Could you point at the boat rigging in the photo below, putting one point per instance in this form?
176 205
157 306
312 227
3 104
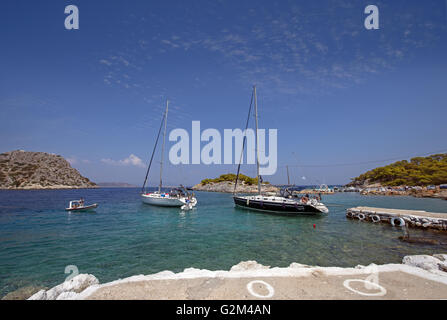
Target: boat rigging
285 201
177 197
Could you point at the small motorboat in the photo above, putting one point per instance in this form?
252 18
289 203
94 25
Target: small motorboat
78 205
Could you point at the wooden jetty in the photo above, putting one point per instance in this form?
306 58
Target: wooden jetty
400 218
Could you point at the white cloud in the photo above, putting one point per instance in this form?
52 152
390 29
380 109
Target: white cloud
124 61
297 50
106 62
172 44
131 160
72 160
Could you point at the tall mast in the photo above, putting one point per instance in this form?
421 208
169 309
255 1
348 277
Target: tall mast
288 178
163 146
257 142
143 189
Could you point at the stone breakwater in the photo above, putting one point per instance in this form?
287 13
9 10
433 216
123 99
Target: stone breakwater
228 187
400 218
418 277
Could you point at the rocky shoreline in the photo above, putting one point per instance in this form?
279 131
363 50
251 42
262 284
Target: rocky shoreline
418 277
417 192
228 187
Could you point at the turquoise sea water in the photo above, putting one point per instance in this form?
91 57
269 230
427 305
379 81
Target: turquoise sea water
38 239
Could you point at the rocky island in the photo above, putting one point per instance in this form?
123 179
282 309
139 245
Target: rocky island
419 177
225 183
39 170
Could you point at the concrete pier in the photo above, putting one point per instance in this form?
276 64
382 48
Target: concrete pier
400 218
418 277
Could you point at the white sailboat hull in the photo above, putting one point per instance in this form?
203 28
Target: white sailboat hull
156 199
176 198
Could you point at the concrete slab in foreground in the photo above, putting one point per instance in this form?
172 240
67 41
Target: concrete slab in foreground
397 285
420 277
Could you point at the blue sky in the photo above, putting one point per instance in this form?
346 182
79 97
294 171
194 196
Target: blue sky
344 99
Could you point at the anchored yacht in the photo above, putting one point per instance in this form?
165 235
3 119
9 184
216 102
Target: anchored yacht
178 197
280 204
285 202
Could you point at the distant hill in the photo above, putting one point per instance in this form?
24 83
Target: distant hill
231 177
419 171
39 170
225 183
115 185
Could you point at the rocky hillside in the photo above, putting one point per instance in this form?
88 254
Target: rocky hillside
419 171
39 170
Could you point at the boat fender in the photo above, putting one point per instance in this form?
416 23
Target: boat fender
248 201
349 214
398 222
361 216
375 218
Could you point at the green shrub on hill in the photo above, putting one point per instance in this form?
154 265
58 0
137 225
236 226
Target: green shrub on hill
230 177
419 171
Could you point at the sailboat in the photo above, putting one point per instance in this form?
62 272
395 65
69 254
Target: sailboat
282 203
177 197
